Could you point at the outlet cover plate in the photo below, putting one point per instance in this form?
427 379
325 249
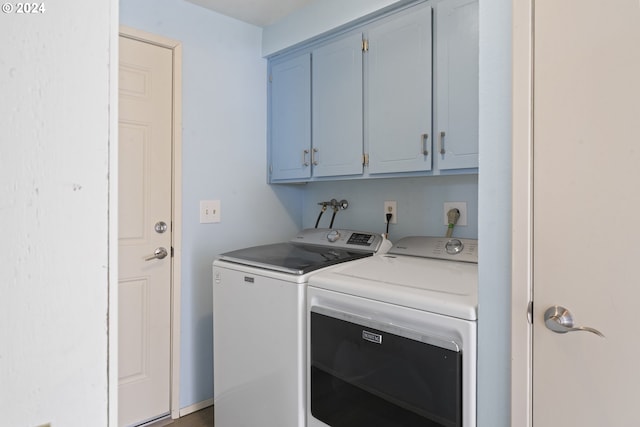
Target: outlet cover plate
462 207
391 207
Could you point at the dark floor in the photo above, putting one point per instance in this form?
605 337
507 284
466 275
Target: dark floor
201 418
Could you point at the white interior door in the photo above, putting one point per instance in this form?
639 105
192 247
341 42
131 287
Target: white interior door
586 202
145 147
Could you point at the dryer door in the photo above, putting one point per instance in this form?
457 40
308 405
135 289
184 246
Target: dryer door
365 373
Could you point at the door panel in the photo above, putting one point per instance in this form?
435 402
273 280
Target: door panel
291 118
586 174
456 89
337 107
144 293
131 306
399 93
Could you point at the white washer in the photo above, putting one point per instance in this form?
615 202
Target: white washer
259 324
392 338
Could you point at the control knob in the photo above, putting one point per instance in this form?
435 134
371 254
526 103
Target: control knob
333 236
454 247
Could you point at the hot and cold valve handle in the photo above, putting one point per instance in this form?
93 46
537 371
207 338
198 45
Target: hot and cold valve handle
560 320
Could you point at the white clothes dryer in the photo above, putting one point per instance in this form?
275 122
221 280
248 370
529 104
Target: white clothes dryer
392 338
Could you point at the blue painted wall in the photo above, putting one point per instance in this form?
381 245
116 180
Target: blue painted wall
420 204
224 157
494 214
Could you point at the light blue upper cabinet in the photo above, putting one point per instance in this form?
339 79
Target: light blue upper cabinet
290 117
337 142
399 93
394 95
456 85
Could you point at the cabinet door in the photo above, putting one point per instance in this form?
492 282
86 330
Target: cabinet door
337 108
399 93
290 118
456 87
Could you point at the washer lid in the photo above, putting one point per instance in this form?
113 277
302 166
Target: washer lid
434 285
293 258
311 249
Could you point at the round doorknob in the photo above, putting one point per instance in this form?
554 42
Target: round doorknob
160 227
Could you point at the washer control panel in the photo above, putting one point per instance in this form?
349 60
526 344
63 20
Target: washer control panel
452 249
361 239
344 239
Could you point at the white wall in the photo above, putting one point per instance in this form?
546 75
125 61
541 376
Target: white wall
54 210
224 157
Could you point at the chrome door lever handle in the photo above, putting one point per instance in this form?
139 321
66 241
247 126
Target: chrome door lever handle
560 320
159 253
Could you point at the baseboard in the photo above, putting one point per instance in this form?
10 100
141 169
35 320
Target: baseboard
195 407
164 421
157 422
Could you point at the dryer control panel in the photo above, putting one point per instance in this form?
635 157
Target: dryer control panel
451 249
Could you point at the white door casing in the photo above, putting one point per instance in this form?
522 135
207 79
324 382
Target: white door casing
580 213
147 196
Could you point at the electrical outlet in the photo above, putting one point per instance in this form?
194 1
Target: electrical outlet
209 211
392 208
461 206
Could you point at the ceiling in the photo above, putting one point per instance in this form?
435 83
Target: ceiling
256 12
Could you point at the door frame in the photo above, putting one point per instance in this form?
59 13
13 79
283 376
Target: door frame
176 203
522 212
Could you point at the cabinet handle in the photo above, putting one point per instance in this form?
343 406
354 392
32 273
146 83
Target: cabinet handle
442 150
314 160
304 158
425 148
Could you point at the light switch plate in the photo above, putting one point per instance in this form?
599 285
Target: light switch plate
209 211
